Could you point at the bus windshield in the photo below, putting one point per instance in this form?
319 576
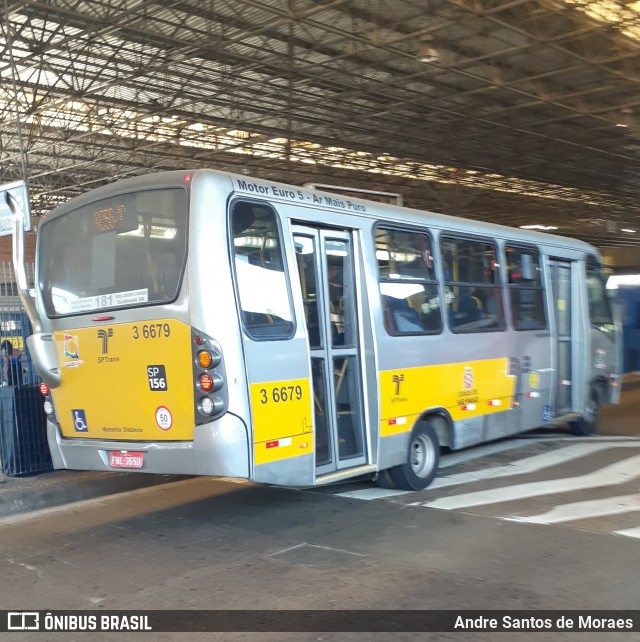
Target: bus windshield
127 250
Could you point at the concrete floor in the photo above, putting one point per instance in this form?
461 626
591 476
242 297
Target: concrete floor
203 543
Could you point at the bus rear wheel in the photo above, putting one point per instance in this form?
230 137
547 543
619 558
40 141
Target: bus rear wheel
423 455
588 424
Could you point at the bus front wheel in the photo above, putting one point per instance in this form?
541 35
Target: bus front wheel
423 455
588 424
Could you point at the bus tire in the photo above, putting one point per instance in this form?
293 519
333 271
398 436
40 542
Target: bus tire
423 455
384 480
588 424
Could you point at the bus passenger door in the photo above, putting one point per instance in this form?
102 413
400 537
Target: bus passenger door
562 300
326 265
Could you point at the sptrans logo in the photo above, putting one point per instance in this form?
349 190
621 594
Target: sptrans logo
104 336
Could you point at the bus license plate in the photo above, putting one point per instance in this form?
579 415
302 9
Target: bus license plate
126 459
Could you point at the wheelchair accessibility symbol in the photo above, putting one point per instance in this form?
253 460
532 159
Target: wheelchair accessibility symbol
79 421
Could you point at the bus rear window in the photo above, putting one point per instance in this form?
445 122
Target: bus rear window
128 250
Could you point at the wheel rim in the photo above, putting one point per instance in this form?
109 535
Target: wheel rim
422 457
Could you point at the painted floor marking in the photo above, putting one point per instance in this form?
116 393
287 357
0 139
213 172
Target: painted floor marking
475 452
523 466
367 494
629 532
618 473
520 467
584 510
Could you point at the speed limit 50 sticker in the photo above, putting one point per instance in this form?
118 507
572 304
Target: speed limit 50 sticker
164 418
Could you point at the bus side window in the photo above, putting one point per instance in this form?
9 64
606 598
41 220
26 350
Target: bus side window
599 304
526 292
473 291
259 270
408 287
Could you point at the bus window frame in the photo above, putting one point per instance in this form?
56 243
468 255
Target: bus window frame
46 296
499 287
437 281
592 259
284 257
509 287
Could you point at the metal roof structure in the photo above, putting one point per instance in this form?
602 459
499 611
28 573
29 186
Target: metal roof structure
521 112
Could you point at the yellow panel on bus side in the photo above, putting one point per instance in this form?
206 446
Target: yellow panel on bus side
282 420
128 381
466 389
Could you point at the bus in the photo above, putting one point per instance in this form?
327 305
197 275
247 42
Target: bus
206 323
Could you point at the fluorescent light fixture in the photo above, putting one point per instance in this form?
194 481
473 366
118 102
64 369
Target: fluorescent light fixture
539 227
428 54
627 230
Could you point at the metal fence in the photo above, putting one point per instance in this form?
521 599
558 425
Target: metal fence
23 440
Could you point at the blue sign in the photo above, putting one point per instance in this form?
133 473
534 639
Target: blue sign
79 421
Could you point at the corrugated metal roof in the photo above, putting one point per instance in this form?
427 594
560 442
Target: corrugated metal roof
513 111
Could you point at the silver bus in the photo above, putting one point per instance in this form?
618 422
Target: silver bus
208 323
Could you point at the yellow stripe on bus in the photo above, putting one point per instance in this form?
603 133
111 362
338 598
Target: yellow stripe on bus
282 419
465 389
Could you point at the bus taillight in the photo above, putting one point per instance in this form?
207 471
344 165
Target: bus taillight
206 406
209 378
206 383
44 389
209 406
205 359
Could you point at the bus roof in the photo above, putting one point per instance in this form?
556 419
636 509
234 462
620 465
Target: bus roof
327 201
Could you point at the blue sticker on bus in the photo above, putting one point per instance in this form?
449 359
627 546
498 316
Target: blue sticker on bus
547 414
79 421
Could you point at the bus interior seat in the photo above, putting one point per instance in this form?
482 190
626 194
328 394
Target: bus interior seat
400 317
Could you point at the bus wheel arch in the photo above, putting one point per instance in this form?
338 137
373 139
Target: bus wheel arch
589 423
422 455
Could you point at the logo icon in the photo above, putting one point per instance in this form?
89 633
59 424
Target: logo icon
467 378
397 379
104 336
79 421
23 621
71 347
